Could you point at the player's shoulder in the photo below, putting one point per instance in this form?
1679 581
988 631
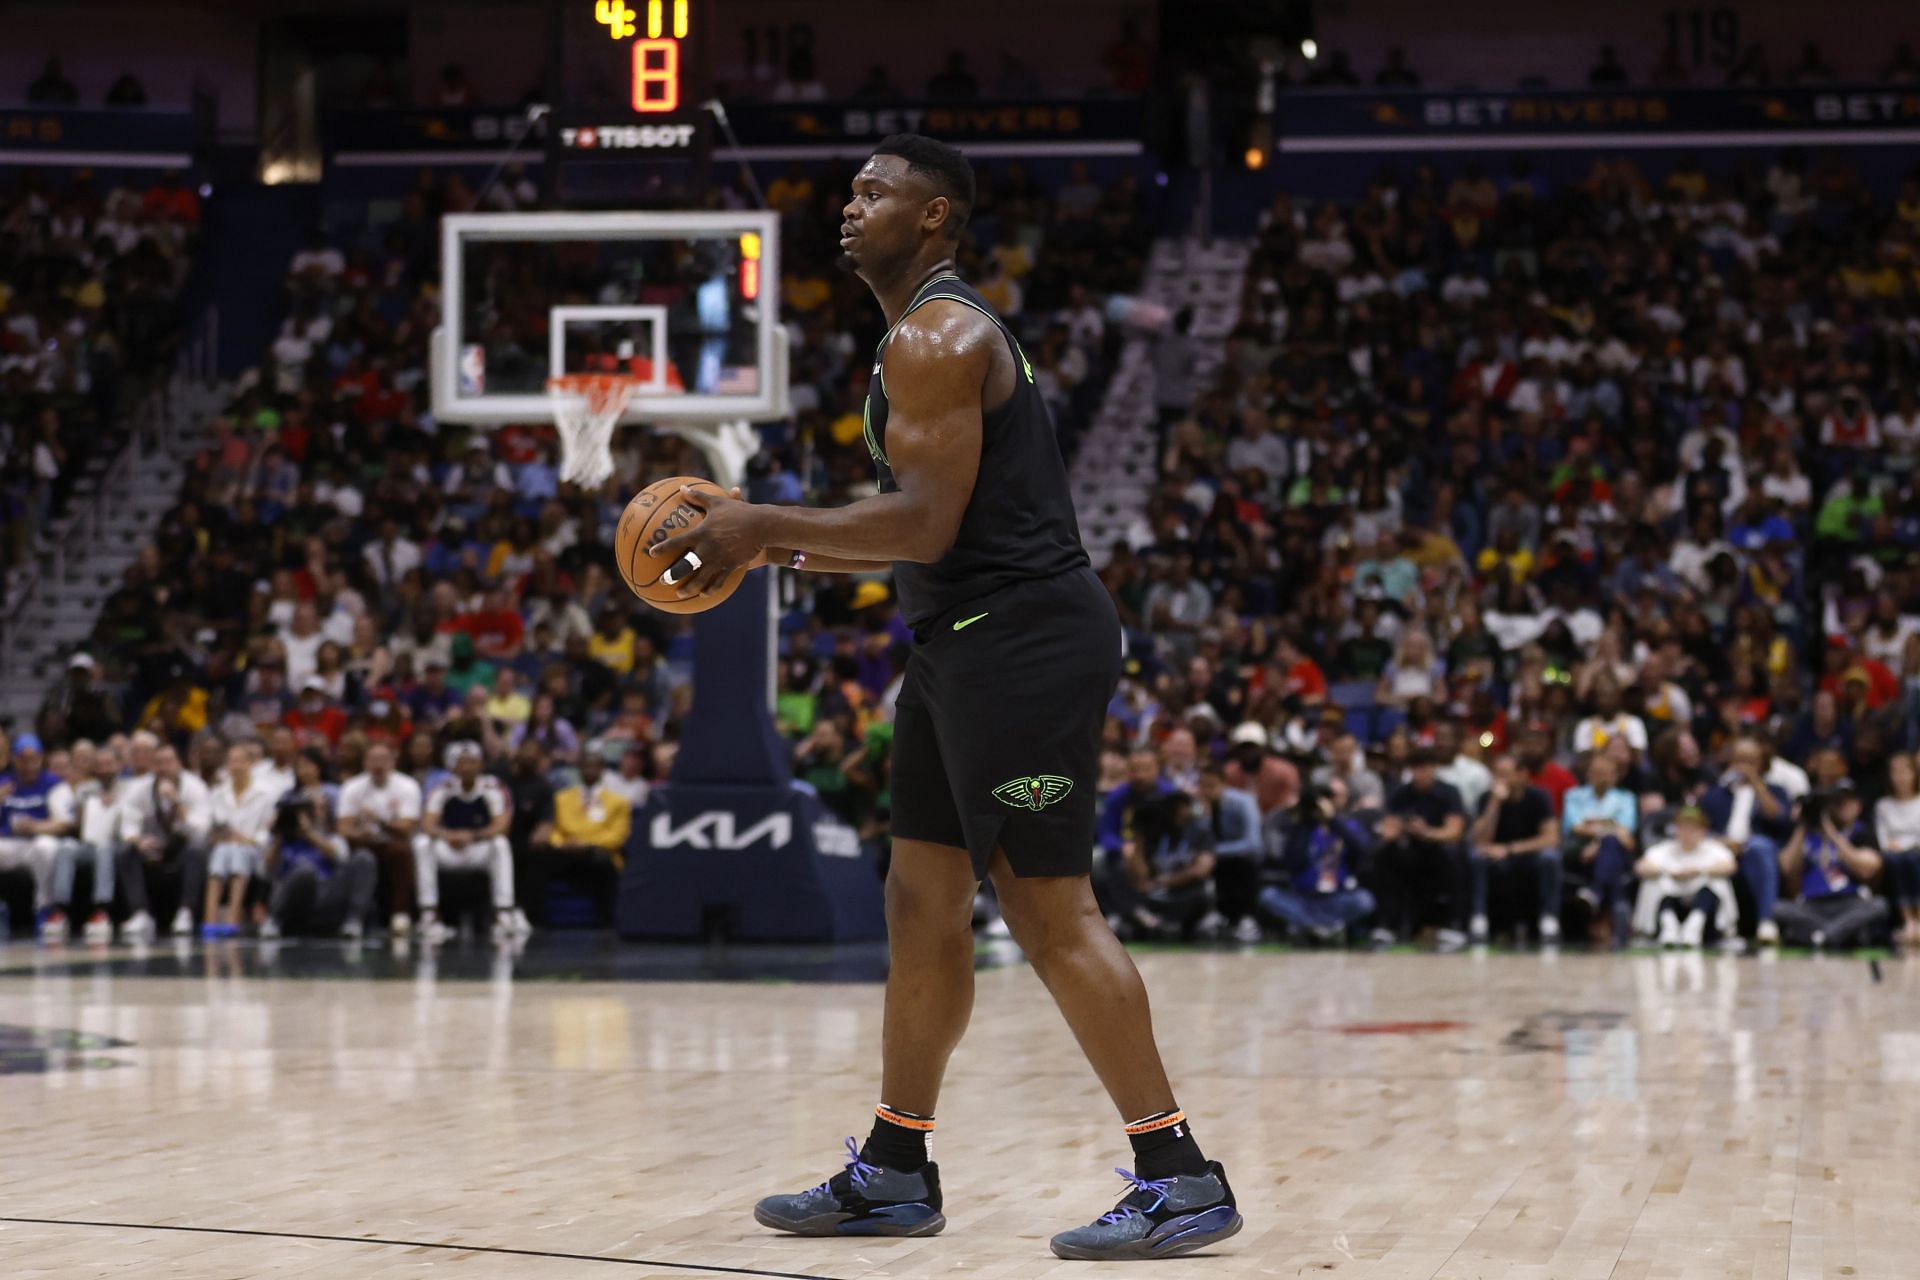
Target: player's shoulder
944 325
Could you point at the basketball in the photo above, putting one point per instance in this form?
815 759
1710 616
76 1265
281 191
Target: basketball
657 513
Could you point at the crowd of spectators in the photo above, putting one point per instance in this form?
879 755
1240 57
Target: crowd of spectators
1750 67
90 276
348 587
1541 558
1524 521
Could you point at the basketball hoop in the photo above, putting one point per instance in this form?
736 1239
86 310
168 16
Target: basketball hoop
586 408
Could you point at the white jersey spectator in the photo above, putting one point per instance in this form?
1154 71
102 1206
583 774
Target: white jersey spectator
465 829
398 801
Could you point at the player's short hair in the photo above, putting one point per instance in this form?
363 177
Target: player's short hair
941 165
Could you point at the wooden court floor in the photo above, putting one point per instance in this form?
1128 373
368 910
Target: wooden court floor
1392 1117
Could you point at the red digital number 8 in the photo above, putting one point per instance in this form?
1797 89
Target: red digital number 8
656 75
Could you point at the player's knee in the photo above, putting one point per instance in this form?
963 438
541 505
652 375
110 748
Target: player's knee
1048 918
914 907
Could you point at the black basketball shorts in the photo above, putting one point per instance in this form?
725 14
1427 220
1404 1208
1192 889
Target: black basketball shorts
997 730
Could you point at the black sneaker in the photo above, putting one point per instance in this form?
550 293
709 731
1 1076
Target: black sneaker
861 1200
1162 1219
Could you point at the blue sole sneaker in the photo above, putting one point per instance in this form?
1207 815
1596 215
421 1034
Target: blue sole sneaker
1158 1219
861 1200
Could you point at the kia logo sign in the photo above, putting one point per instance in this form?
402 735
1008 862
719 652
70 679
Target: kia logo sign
715 830
718 830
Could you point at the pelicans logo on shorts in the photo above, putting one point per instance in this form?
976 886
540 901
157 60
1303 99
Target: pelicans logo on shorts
1036 792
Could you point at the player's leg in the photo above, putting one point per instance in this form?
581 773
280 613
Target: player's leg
1092 978
930 890
1181 1201
889 1186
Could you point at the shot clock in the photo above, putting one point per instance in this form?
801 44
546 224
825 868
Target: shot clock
655 33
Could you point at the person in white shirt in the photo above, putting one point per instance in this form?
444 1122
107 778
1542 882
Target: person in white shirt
1686 884
274 761
380 814
96 835
1461 772
465 829
1896 823
243 812
629 780
1608 721
166 815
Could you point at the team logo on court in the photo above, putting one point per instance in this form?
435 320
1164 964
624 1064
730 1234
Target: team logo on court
1036 792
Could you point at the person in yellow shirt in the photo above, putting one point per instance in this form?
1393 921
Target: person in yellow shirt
508 706
587 846
791 192
612 642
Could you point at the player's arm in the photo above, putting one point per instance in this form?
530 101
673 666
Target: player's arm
940 357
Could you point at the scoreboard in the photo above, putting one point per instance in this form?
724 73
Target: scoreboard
633 80
655 38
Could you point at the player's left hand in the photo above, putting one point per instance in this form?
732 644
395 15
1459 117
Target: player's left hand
727 539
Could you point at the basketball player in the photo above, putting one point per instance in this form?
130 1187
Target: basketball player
996 746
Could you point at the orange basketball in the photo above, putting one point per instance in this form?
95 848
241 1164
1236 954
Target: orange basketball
657 513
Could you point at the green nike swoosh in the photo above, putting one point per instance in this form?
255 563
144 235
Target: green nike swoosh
964 623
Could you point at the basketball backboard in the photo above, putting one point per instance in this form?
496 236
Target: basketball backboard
688 303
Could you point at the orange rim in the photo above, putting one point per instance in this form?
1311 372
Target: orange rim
601 391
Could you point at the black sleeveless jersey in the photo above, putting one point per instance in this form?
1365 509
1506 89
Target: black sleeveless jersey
1019 525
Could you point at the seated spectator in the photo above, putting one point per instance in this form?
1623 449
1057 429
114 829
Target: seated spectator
1233 815
1162 886
1686 885
1608 72
1754 816
166 822
453 89
1121 808
1609 721
877 87
801 83
127 91
1460 766
1396 74
51 88
1902 67
1319 893
243 815
1515 835
321 886
1336 73
465 829
1420 869
1812 67
1896 823
95 779
953 82
36 817
587 845
1600 823
379 815
78 706
1825 868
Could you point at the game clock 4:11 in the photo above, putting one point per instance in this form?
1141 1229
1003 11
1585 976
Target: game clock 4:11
656 30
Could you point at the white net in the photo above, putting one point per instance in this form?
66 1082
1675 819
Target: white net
586 409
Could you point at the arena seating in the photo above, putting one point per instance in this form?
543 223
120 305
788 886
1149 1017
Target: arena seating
1478 477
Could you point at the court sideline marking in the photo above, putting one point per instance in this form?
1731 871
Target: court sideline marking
421 1244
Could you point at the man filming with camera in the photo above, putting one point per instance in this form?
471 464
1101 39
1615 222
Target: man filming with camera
318 886
1829 870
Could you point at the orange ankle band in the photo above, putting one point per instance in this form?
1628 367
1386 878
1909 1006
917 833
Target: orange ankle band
905 1121
1153 1123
